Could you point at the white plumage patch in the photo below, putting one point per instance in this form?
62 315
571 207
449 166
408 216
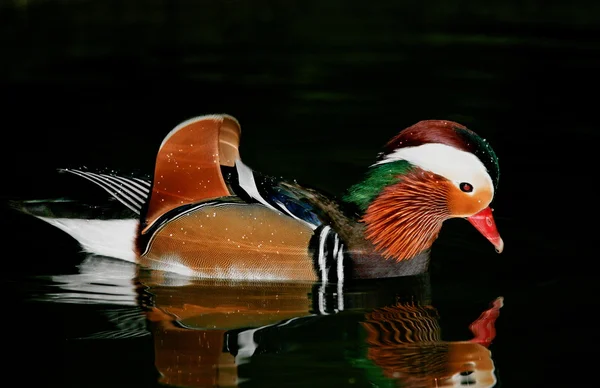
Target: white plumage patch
247 182
112 238
453 164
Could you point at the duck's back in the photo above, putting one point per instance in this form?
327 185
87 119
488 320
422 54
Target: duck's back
209 215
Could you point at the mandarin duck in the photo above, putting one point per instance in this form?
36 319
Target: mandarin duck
206 214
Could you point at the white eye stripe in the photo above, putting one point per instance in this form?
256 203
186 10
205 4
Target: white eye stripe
453 164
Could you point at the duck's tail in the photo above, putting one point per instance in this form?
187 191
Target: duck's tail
188 169
107 227
112 238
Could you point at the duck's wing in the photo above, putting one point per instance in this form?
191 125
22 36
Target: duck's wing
312 206
309 207
196 224
132 192
188 165
276 194
264 228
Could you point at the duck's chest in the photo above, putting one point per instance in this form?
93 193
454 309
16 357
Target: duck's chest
368 264
234 241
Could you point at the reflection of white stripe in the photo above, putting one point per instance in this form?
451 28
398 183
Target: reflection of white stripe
246 346
340 296
340 264
321 300
110 188
292 319
340 276
322 263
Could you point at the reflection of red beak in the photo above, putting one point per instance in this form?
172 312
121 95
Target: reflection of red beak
484 328
484 223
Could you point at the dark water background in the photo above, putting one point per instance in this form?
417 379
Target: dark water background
318 88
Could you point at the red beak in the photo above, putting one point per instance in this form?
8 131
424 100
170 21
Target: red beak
484 223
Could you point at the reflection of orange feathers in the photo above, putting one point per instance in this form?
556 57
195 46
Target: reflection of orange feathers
189 323
205 303
404 340
193 358
402 324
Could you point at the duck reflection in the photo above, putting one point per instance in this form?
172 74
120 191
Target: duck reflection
405 341
222 333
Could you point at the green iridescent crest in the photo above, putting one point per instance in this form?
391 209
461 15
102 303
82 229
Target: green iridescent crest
483 150
378 177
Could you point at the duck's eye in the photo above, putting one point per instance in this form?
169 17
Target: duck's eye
466 187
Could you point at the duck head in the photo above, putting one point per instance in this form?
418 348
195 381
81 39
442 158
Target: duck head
429 172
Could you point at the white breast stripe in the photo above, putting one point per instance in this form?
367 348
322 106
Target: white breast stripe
340 265
322 305
340 278
336 245
110 188
322 261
